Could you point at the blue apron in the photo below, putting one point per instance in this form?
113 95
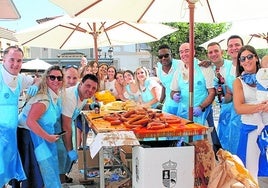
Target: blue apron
226 113
235 122
46 152
76 113
64 161
132 96
10 162
263 160
245 130
169 106
200 94
146 94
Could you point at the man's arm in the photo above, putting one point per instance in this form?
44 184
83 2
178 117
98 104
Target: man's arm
209 77
31 84
174 86
210 98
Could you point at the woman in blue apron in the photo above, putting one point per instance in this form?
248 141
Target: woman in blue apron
40 116
10 162
246 104
149 88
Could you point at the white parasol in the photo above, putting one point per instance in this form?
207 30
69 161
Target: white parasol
77 33
36 64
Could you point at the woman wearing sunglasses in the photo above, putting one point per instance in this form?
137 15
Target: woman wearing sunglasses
246 104
37 126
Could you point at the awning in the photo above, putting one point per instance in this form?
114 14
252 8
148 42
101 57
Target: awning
8 10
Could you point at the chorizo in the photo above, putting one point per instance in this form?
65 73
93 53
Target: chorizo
123 119
116 122
129 113
173 121
156 125
135 118
127 125
142 121
110 118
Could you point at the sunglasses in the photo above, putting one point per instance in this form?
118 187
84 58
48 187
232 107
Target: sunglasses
164 55
52 77
249 57
71 66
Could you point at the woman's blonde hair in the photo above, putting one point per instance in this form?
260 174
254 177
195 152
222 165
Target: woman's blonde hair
146 73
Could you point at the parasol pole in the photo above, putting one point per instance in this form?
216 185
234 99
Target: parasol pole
95 37
191 5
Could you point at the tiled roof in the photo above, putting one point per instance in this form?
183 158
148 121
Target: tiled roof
46 19
7 34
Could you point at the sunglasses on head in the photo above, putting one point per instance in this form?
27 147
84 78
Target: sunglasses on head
52 78
71 66
249 57
164 55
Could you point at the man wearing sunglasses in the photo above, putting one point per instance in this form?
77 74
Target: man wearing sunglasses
165 70
74 100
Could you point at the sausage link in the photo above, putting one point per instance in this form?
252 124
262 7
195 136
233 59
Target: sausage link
127 125
142 121
116 122
135 118
156 125
129 113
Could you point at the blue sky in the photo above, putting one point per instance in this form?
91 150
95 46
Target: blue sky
30 11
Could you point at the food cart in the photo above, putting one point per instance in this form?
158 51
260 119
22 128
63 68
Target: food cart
120 127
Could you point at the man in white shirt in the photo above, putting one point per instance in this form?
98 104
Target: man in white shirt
12 84
74 100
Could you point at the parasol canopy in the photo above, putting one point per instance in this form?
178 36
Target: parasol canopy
36 64
77 33
252 31
206 11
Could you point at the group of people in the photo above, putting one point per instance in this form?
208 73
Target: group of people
33 152
238 85
35 155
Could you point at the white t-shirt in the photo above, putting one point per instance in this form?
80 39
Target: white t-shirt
70 102
154 84
12 81
110 86
207 72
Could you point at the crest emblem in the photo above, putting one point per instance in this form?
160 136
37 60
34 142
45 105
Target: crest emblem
169 174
